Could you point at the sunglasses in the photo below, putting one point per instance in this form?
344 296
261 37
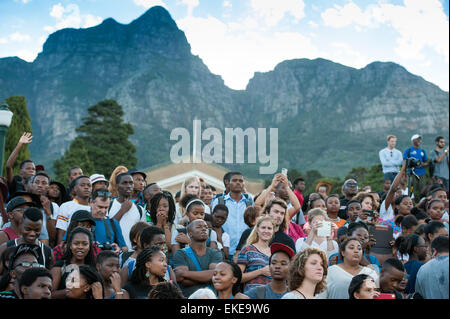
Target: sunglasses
351 184
102 194
28 265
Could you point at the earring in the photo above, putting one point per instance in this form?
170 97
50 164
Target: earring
147 274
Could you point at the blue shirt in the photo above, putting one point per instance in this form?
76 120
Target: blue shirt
412 267
418 153
100 232
270 294
235 224
432 279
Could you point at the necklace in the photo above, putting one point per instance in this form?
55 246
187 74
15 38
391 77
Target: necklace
300 293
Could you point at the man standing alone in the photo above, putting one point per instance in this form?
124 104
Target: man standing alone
439 156
391 158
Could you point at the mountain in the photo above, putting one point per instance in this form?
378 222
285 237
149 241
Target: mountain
330 117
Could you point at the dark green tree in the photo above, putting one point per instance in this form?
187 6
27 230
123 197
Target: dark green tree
374 178
106 137
358 173
20 123
76 155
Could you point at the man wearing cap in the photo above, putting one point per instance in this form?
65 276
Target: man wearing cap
390 158
139 180
98 181
349 189
281 254
82 188
415 151
14 209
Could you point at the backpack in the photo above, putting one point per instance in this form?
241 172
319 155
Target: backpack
138 207
261 292
221 199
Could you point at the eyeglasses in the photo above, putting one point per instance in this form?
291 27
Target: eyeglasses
28 265
391 153
351 184
101 194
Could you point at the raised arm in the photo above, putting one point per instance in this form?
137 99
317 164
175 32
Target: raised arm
395 184
26 138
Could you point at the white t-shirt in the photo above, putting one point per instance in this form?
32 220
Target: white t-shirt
55 210
386 214
65 213
338 281
301 245
128 219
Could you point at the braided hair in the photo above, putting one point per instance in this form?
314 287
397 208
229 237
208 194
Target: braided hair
139 273
154 202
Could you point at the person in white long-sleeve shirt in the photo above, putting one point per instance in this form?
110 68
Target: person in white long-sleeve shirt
391 158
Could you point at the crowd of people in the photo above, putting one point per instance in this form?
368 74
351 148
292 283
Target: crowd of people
124 237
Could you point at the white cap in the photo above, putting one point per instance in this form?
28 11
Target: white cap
98 178
415 136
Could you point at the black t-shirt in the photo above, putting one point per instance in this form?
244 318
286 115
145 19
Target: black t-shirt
244 238
343 210
137 291
16 185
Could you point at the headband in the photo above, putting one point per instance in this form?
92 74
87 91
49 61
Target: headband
194 201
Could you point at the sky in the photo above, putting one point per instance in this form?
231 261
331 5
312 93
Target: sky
236 38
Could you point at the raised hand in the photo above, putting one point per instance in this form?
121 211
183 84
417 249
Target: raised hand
26 138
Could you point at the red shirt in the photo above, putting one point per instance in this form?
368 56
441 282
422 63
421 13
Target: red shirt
299 196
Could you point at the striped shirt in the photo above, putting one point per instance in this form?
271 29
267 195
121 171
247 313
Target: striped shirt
253 259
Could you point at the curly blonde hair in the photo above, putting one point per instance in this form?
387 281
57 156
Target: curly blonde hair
112 188
297 269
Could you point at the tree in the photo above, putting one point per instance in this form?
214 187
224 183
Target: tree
76 155
21 122
106 137
357 173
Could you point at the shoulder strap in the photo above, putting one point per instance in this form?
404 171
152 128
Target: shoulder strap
113 226
110 205
125 257
221 200
131 268
140 211
107 230
190 254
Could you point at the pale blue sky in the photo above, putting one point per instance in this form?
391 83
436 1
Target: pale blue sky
236 38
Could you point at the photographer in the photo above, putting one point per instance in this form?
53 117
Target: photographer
419 181
107 233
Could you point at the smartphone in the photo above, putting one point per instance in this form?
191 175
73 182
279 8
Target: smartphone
385 296
370 213
324 230
284 171
383 236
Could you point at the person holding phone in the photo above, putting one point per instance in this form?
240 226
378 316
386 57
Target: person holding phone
320 235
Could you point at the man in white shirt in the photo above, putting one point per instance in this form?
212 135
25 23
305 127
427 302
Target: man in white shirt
391 158
123 209
82 191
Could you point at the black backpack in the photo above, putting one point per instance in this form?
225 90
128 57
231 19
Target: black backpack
221 199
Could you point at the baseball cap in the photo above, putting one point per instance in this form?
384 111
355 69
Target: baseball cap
415 136
61 187
35 198
82 216
16 202
283 246
135 171
98 178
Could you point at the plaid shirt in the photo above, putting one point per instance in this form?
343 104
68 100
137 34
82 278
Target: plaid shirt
58 251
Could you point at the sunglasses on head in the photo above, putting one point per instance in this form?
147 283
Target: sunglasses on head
102 194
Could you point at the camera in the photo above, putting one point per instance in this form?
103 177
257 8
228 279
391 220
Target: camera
413 162
105 246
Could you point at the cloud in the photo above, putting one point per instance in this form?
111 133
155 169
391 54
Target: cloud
274 11
191 4
150 3
15 37
236 50
420 24
227 4
70 17
339 17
